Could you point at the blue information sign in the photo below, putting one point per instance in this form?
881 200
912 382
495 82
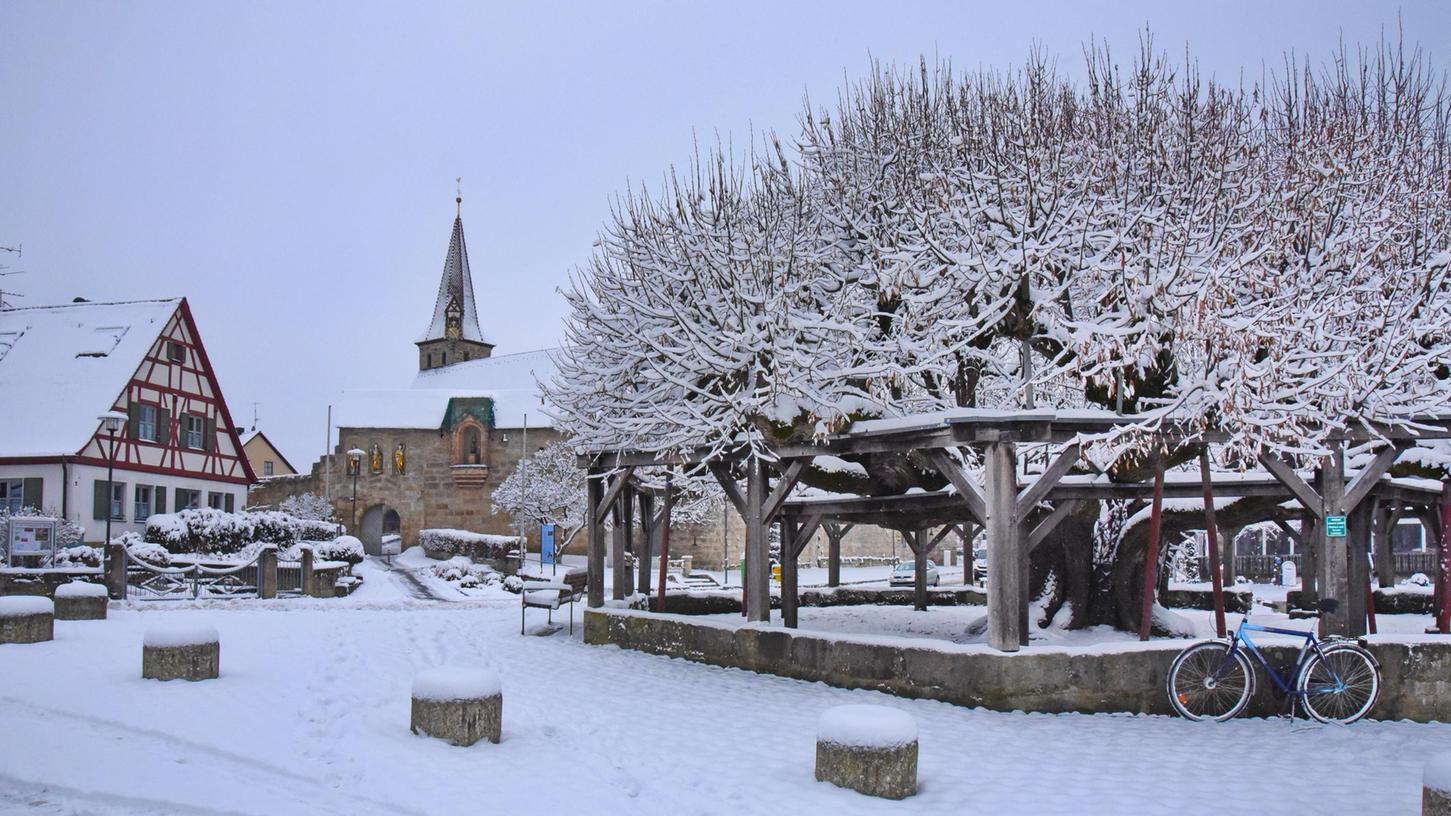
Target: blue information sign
546 543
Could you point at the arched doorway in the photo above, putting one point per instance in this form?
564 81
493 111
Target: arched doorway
378 521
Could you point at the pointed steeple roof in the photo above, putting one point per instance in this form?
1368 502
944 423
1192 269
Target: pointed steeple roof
457 285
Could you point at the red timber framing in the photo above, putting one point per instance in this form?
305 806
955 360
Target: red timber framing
176 388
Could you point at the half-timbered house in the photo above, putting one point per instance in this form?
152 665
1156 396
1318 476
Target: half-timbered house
62 366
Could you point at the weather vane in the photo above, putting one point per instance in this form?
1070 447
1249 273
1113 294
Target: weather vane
458 200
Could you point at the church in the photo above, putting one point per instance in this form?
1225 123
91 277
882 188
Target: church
433 453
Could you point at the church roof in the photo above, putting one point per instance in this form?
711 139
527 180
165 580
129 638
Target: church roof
510 380
457 282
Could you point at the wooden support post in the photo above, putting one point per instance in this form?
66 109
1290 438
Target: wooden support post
647 539
667 504
1229 546
1334 560
788 573
1311 545
834 534
965 536
619 576
1211 534
1151 558
758 544
1004 588
1358 570
1387 516
595 540
917 540
627 515
1443 575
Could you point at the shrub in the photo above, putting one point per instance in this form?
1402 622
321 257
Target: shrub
141 550
78 556
214 532
477 546
343 548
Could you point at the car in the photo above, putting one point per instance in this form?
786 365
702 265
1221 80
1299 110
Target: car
905 574
979 565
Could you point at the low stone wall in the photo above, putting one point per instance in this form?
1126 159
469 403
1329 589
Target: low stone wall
715 603
1129 678
20 581
1182 598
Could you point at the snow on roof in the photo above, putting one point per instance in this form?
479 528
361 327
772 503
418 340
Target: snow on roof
457 282
62 366
507 379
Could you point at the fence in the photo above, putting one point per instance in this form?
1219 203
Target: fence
1260 569
262 577
147 582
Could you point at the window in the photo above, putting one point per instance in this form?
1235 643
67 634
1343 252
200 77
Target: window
216 501
175 352
472 454
268 468
193 428
146 422
141 503
188 499
12 495
118 501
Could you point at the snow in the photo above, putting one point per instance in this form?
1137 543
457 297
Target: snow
80 589
456 683
506 379
85 351
1437 775
312 716
179 633
16 606
866 726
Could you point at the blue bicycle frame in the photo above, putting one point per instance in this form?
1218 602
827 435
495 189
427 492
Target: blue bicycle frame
1285 684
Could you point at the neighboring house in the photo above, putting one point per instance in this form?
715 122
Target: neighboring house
435 451
266 460
63 366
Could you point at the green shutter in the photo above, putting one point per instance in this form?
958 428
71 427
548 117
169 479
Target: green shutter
158 500
102 499
163 426
33 494
133 420
209 435
228 502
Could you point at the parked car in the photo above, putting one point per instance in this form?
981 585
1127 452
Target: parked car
979 565
905 574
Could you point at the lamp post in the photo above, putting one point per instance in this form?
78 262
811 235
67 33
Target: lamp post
355 463
111 422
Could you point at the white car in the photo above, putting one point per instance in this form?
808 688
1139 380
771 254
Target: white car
905 574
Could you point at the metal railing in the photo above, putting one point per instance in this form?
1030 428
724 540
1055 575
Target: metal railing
196 580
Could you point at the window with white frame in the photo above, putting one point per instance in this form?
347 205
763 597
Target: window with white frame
195 428
216 501
268 468
12 495
146 422
141 502
188 499
118 501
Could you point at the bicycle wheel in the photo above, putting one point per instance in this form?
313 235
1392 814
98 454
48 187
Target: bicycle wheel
1340 686
1209 682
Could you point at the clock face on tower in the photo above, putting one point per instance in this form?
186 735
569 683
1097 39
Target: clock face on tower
452 319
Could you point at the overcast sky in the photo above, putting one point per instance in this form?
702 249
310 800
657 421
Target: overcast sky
290 168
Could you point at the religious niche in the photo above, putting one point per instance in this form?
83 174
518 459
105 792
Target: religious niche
375 459
400 459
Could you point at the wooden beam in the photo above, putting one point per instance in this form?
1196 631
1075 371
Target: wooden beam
1038 491
595 540
1005 555
803 537
1287 476
937 539
968 491
1045 527
722 472
616 485
1367 478
788 480
1289 531
1335 559
758 545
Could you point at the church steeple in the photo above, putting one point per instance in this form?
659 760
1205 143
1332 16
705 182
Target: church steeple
453 336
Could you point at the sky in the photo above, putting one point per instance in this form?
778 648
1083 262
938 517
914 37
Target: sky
290 168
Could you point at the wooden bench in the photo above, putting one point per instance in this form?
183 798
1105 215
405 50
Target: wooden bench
541 593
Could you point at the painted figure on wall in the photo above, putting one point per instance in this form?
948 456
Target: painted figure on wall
400 459
375 459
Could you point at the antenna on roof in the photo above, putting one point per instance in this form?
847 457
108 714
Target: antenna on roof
19 253
254 416
458 200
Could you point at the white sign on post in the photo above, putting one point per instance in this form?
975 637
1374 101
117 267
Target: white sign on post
31 535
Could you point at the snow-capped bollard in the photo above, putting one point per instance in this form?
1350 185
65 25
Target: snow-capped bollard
80 600
26 619
870 749
460 705
1436 786
173 651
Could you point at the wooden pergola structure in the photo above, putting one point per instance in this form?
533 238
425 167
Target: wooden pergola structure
1017 515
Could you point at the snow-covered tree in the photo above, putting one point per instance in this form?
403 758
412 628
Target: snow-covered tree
307 506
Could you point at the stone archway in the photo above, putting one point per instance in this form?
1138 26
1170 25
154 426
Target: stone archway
378 521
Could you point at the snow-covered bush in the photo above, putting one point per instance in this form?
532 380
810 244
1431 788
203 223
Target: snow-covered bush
477 546
1420 579
77 556
343 548
149 551
308 507
465 572
215 532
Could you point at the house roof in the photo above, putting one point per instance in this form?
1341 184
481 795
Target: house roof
457 282
509 380
255 434
61 366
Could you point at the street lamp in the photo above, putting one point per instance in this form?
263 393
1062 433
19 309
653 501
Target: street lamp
355 463
111 422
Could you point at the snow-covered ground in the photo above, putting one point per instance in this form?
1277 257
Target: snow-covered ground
311 713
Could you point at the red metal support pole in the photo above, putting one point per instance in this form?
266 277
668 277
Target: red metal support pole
664 542
1211 532
1369 608
1151 558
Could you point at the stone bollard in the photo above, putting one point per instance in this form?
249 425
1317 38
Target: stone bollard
116 570
460 705
81 600
26 619
870 749
267 572
180 651
686 564
1436 786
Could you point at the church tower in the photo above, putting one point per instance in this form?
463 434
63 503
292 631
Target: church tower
454 336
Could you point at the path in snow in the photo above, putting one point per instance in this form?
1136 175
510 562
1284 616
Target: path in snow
311 716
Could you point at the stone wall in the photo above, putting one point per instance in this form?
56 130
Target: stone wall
1416 676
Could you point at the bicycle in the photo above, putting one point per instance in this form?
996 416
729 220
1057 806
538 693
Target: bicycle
1335 680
